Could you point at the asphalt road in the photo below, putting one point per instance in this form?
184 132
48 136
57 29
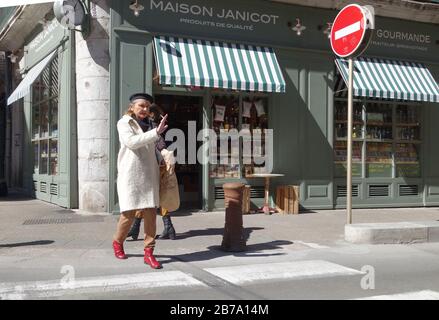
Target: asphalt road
50 253
344 272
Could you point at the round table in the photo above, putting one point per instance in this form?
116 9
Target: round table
266 207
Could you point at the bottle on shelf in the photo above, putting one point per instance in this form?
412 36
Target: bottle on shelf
226 124
338 132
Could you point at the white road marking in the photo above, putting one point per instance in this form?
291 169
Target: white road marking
347 30
282 270
311 244
416 295
53 288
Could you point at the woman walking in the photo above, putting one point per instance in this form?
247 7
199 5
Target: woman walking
138 176
155 114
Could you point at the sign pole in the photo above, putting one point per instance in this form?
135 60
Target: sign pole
350 35
349 133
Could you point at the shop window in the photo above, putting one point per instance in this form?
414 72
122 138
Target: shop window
340 144
408 136
386 135
378 159
238 158
45 92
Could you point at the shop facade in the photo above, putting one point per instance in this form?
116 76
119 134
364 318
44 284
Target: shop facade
263 77
59 94
47 97
395 147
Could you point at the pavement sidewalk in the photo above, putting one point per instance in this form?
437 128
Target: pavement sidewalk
38 239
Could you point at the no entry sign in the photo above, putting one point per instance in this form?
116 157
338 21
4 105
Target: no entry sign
350 36
351 31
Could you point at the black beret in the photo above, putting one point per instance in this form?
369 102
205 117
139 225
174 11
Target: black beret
144 96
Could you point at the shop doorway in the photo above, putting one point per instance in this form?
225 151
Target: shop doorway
185 111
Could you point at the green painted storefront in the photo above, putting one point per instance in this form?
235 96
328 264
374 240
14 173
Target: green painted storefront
304 117
50 152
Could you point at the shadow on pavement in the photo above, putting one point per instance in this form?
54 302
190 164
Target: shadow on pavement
187 212
214 252
25 244
16 197
213 232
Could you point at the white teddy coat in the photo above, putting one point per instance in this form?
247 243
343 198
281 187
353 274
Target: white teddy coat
138 175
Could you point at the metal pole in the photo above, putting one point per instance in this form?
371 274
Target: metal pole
349 147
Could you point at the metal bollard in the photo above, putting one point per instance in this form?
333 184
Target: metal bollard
233 238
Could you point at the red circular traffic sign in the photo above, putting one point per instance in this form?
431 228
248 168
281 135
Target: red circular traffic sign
348 30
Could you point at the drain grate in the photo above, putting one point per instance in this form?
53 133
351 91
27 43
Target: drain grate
62 220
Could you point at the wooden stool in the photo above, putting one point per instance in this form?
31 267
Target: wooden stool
287 199
246 200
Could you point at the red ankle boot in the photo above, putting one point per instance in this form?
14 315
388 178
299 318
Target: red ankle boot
118 250
150 259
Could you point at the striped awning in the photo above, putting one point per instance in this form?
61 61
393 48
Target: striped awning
23 88
188 62
13 3
390 79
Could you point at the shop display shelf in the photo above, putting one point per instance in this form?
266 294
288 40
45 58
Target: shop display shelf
407 162
345 121
414 124
408 141
378 124
346 139
379 140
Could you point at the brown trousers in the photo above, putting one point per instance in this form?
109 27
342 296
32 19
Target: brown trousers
163 212
139 213
126 220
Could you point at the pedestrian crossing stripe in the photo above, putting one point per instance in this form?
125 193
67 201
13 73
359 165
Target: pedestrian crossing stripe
104 284
416 295
245 274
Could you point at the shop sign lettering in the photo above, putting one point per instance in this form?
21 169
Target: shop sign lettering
402 40
44 37
404 36
219 17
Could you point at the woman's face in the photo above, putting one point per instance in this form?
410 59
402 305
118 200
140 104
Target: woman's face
140 107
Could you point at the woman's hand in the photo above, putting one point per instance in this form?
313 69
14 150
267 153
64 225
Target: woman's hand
162 125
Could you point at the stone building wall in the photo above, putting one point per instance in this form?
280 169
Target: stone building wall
93 101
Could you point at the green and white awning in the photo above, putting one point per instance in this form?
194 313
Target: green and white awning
189 62
390 79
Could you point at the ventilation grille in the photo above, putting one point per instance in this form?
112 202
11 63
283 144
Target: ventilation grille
43 187
255 192
408 190
342 191
63 220
219 193
378 191
53 189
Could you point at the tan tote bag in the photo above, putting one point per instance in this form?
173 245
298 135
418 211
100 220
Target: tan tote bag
169 193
